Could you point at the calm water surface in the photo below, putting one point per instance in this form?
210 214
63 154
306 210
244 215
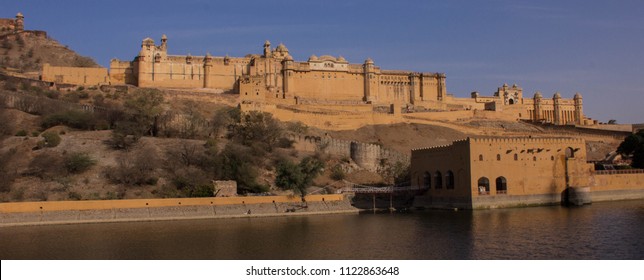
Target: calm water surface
612 230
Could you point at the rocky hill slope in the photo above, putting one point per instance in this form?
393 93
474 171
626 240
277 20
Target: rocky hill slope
27 51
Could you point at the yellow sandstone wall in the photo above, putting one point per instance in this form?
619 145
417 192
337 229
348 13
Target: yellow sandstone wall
609 182
16 207
75 75
538 168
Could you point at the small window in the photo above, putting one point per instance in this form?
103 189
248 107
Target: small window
552 157
534 158
480 157
498 157
516 157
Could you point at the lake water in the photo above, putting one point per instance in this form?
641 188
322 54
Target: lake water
611 230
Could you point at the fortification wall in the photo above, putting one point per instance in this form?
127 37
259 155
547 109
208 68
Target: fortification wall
441 116
330 121
74 75
327 85
366 155
58 212
122 72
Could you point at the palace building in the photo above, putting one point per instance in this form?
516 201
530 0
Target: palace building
515 171
274 77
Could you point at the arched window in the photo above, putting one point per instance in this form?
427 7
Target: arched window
438 179
484 186
427 180
516 157
498 157
501 185
552 157
511 101
570 153
480 157
534 158
449 180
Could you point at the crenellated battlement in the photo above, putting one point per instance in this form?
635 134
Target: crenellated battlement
526 140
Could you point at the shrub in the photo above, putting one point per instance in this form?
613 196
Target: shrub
125 135
297 127
285 143
52 139
53 94
337 173
46 165
7 170
192 182
72 118
78 162
21 132
135 168
74 196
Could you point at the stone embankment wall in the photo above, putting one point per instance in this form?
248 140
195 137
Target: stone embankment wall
617 185
68 212
366 155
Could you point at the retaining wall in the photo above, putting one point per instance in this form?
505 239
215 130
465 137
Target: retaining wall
64 212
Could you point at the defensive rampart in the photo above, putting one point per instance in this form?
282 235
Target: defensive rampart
369 156
93 211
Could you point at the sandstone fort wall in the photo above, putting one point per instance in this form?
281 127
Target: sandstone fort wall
75 75
371 157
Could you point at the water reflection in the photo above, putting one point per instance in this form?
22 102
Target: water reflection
600 231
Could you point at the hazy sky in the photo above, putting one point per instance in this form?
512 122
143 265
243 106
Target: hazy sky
592 47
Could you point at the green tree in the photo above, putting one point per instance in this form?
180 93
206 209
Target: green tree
235 162
144 107
633 146
298 177
257 128
224 118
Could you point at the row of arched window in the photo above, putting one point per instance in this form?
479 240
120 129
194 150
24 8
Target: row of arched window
516 157
569 152
437 180
501 185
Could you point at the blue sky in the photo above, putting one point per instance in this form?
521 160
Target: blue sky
592 47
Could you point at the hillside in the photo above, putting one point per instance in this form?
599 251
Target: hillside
27 51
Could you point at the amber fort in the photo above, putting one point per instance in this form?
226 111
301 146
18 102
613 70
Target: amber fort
331 93
348 94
